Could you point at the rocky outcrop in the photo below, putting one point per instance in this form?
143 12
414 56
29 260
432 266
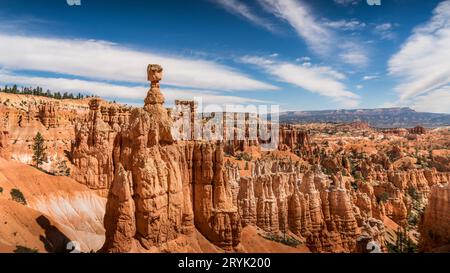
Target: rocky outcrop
23 116
435 225
295 140
418 130
440 159
92 151
116 116
397 190
240 132
372 238
120 216
278 198
48 114
4 144
360 125
215 215
247 201
176 187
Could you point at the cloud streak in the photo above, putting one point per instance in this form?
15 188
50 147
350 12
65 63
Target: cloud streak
348 25
347 2
422 64
353 54
102 60
319 34
241 9
371 77
321 80
301 19
385 31
436 101
116 91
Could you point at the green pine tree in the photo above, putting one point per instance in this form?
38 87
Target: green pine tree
39 149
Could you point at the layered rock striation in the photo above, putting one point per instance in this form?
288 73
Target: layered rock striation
435 225
92 151
48 114
162 189
4 144
279 198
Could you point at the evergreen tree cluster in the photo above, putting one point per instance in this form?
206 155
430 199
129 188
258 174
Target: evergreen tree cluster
38 91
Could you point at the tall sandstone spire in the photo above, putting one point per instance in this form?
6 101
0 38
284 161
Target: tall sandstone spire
162 189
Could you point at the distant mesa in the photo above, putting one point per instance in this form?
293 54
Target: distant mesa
379 118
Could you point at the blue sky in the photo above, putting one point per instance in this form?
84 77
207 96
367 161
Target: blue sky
301 55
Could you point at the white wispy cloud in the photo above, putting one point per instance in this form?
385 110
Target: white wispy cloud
307 64
343 24
370 77
347 2
422 64
303 59
318 34
354 54
384 27
102 60
116 91
301 19
242 9
436 101
316 79
385 31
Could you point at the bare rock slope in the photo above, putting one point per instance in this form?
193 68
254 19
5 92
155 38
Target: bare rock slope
57 210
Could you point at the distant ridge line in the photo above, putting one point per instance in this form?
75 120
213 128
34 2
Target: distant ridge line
398 117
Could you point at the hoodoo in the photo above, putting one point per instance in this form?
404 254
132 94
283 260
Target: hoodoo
162 189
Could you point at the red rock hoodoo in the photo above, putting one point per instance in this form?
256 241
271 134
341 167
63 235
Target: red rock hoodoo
435 226
162 189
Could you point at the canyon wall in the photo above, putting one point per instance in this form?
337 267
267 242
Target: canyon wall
91 152
23 116
435 225
4 144
162 189
279 198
